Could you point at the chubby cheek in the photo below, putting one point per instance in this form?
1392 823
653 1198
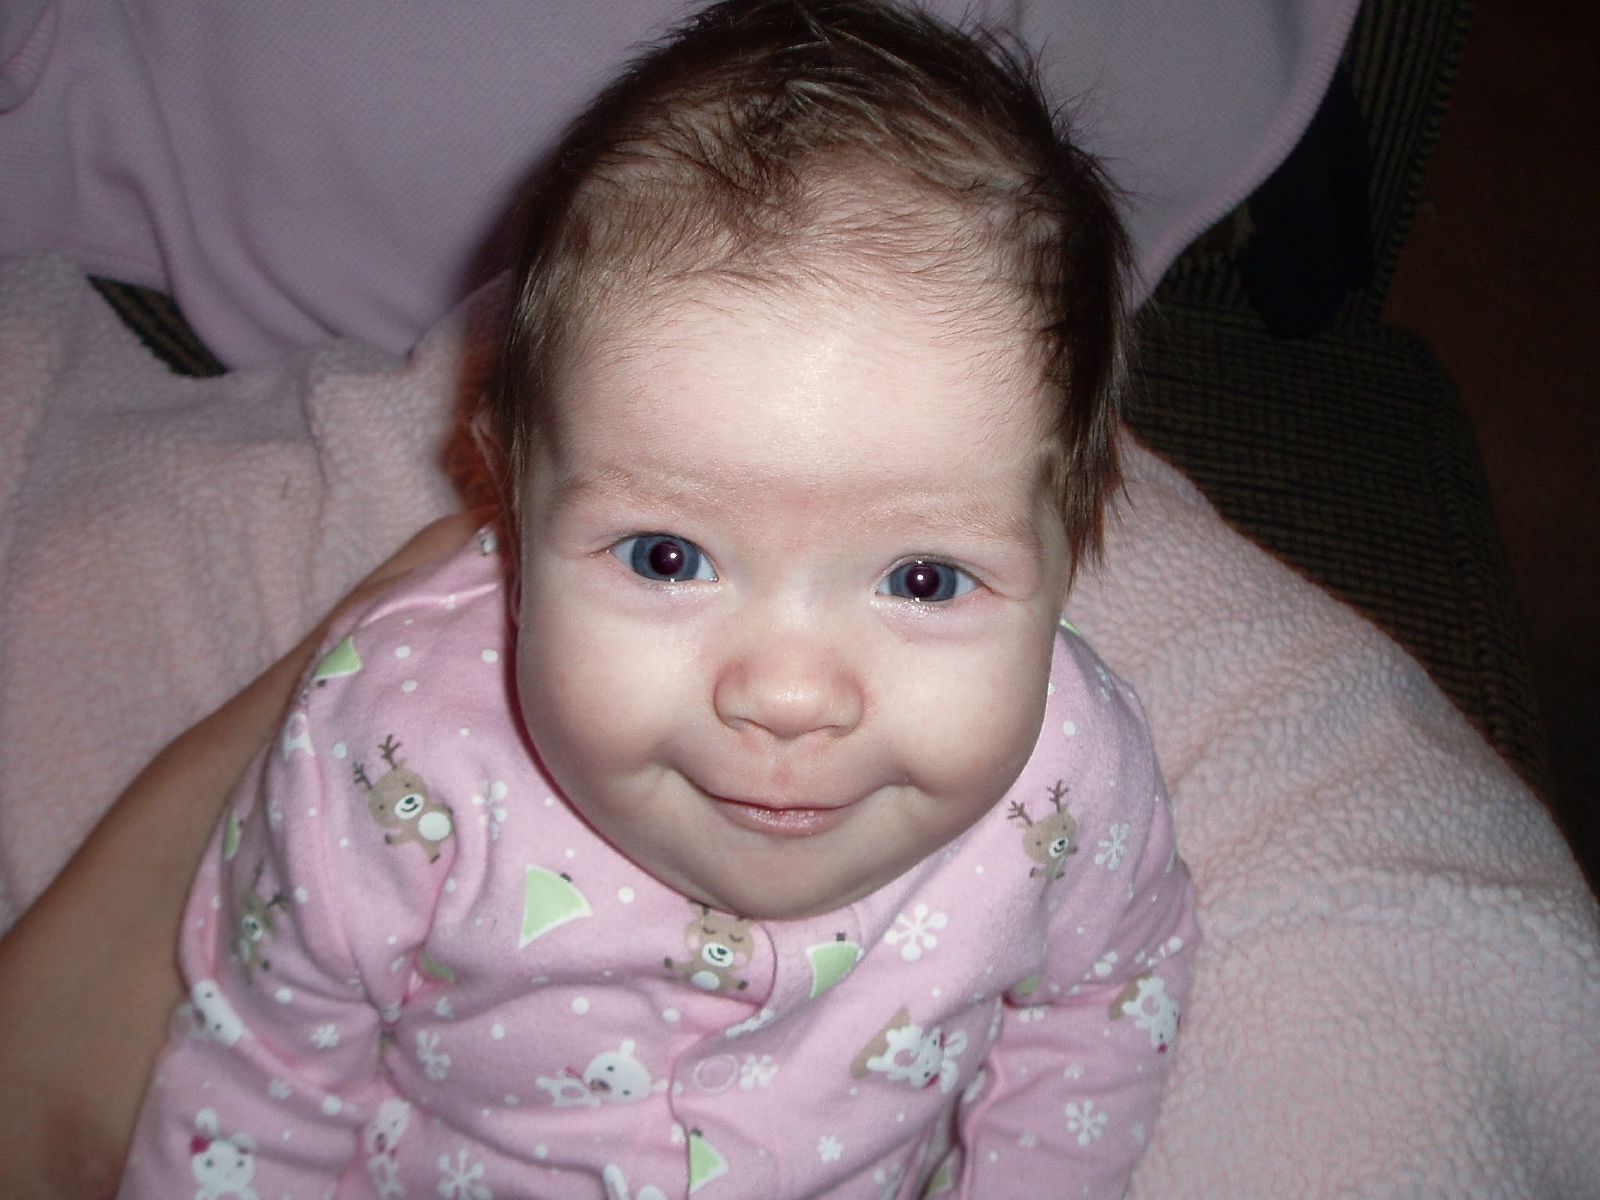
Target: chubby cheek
597 703
970 726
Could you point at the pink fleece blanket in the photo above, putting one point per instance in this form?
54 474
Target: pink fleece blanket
1400 991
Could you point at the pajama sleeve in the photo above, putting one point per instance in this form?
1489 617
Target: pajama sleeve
1074 1078
297 950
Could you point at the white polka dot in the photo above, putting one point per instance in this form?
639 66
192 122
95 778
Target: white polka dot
409 686
497 790
625 895
340 750
541 1151
549 801
580 1005
465 732
491 656
978 869
331 1106
344 843
450 884
301 895
392 939
311 812
402 651
572 853
410 621
512 1100
1070 728
937 992
498 1032
283 995
670 1016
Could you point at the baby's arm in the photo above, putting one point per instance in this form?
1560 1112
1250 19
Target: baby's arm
274 1068
1076 1074
88 976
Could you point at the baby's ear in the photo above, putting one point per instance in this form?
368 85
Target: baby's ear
478 465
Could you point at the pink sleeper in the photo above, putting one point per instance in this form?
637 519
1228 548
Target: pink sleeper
415 971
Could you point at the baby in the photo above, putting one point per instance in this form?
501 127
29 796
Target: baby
737 818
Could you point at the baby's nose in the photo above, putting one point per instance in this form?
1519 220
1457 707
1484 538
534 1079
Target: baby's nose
789 687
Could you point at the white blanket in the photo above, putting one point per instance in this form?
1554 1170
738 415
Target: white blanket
1400 990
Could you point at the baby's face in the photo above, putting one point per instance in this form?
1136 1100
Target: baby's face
790 584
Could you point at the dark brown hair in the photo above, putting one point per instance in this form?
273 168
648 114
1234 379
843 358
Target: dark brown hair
772 142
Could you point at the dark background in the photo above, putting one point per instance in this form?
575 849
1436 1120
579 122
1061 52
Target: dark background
1501 275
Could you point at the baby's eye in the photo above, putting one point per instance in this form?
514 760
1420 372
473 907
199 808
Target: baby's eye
664 558
926 582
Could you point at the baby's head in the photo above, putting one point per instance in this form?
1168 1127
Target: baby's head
808 408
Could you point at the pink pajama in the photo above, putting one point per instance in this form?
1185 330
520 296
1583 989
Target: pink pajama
415 971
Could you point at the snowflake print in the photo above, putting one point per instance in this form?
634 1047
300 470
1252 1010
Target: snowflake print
889 1181
435 1063
830 1149
490 794
757 1072
1113 847
1106 962
460 1182
325 1037
916 931
765 1017
1085 1122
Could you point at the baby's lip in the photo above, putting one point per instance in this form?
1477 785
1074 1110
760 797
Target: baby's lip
798 805
782 820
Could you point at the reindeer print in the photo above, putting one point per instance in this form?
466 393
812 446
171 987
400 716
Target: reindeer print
719 947
399 802
1049 840
256 929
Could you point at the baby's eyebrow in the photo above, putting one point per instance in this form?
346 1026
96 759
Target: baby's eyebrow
917 512
971 515
576 487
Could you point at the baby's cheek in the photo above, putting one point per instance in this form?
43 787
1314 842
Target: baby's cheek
977 741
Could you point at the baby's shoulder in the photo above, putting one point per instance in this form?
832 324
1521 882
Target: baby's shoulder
1083 681
438 642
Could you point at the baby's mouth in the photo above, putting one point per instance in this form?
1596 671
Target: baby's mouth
781 820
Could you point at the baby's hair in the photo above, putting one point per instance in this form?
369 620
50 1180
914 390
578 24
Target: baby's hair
846 144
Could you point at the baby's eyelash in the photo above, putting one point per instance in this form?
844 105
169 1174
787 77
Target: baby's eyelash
664 558
927 581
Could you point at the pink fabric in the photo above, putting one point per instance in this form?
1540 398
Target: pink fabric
556 1019
1401 975
294 180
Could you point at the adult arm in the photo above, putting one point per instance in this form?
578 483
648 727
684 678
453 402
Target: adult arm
88 976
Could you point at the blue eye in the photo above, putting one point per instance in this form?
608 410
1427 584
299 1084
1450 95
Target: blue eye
664 558
926 582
